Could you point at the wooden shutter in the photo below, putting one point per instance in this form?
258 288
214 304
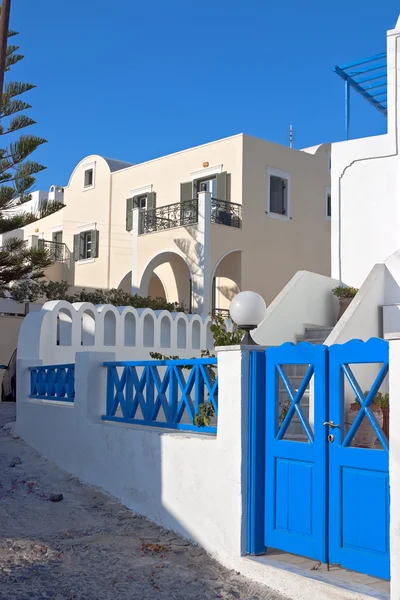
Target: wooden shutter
186 191
129 217
151 200
95 243
222 186
77 247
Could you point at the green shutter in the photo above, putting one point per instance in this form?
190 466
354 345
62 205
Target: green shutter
129 217
135 201
222 186
186 191
95 243
77 246
151 200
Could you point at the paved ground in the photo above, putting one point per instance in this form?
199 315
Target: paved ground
90 547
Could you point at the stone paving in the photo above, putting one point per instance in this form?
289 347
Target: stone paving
88 546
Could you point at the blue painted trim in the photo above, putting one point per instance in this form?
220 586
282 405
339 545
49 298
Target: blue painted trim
161 425
50 398
53 382
359 78
45 367
163 398
256 471
163 363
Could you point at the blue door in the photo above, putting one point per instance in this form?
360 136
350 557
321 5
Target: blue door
358 476
318 454
295 460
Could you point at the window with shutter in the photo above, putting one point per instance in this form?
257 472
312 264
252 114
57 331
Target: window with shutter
278 193
86 245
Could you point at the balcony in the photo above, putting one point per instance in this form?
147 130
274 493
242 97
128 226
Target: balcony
184 214
58 251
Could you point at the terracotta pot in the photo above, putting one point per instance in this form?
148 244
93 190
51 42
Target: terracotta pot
343 305
386 421
365 436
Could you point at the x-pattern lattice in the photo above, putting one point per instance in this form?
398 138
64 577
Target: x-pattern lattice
164 391
295 399
365 404
55 382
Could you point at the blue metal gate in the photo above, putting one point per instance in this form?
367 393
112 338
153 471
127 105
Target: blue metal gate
358 477
311 492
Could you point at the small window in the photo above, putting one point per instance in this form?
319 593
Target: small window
140 201
88 178
87 244
278 194
328 202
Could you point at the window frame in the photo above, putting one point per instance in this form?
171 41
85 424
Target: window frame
328 193
85 168
272 172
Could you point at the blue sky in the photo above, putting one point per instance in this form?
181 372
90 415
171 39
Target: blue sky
134 79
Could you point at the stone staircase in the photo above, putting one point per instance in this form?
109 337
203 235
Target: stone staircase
313 334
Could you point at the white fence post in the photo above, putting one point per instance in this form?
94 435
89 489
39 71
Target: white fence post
233 427
394 466
91 384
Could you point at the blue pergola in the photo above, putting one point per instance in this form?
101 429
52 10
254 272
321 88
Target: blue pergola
368 77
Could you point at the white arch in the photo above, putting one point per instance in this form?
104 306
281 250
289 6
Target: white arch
160 258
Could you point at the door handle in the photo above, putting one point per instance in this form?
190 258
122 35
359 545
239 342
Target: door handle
331 424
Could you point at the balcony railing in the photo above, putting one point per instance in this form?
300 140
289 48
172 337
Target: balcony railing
180 214
58 251
183 214
226 213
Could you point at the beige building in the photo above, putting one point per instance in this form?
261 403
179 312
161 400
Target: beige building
195 226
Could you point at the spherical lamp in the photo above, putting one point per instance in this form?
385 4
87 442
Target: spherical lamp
247 310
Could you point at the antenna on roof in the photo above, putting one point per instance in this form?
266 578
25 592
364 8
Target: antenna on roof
290 136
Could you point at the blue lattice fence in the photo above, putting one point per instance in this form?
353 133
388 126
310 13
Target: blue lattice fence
53 382
164 393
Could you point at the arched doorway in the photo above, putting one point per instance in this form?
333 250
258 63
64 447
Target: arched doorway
169 274
156 288
226 281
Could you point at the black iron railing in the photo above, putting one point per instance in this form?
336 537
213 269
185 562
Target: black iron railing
223 312
226 213
180 214
58 251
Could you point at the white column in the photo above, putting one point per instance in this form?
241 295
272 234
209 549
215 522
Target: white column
394 466
91 384
202 276
135 251
233 430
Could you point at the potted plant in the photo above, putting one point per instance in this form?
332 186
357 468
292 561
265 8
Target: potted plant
365 436
345 295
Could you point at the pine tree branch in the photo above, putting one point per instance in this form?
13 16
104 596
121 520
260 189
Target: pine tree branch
16 88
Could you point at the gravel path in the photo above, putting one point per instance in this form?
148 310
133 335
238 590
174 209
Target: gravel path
90 547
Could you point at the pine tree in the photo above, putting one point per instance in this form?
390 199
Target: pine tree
17 178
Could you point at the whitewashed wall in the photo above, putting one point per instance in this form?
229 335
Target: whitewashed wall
364 183
190 483
59 330
307 299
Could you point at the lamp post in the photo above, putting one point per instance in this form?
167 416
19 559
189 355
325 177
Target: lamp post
247 310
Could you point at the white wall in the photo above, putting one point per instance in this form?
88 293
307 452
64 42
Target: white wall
306 300
131 333
365 221
190 483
